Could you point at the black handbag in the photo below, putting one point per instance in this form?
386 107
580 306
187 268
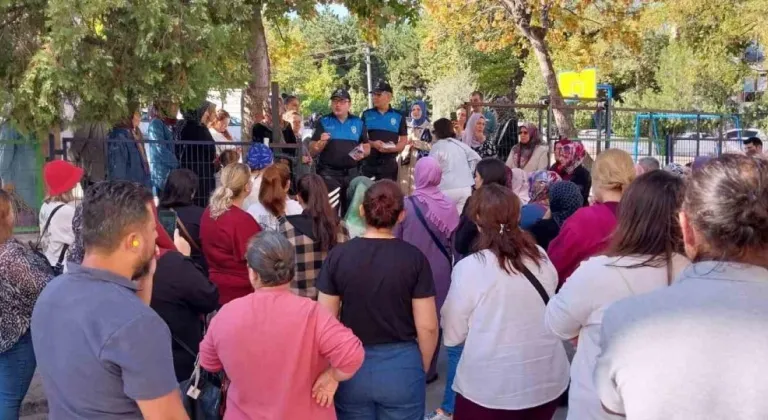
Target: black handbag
58 268
203 393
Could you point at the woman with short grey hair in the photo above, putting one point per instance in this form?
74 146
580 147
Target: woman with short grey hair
273 339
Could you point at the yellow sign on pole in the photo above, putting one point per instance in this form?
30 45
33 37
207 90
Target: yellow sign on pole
581 84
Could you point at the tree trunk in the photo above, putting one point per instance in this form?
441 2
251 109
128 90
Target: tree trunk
257 90
517 77
563 118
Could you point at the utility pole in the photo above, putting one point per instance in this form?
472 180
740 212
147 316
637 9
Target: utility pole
367 50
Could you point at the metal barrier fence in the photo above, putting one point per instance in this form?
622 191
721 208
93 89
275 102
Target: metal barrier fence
667 135
20 171
121 159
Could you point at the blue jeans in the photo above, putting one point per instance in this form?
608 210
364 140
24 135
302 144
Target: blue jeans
17 365
449 396
389 386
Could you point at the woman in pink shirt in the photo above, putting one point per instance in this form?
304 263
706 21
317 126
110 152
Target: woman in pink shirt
589 230
284 354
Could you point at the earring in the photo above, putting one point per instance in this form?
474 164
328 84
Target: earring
135 243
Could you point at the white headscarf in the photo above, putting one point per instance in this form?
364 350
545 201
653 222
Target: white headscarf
469 133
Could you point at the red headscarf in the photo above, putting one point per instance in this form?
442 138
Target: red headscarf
164 241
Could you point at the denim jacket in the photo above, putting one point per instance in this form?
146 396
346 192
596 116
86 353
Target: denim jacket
161 156
125 159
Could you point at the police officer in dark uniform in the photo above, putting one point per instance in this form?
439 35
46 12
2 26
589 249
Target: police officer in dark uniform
387 134
341 141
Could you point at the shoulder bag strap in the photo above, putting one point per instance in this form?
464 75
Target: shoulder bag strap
186 234
47 224
184 346
536 284
434 237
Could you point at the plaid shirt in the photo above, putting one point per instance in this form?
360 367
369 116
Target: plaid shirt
309 257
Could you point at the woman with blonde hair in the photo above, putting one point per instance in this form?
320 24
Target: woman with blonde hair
225 230
218 128
588 231
273 197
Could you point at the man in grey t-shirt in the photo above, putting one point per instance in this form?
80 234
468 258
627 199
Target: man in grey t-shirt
102 352
698 349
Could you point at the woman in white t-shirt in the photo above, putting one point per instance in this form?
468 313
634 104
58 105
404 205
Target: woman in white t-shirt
457 162
646 253
510 362
61 178
273 197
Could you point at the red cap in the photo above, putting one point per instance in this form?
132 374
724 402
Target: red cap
61 176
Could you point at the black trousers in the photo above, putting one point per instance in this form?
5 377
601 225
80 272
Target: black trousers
338 178
386 169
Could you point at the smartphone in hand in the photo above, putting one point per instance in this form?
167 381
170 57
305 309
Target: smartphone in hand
454 117
168 221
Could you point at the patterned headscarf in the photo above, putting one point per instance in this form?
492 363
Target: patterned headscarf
259 156
521 153
573 154
564 200
539 183
675 168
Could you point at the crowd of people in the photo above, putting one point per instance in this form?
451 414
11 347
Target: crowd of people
309 310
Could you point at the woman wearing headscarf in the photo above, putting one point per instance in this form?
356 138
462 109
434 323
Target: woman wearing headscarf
419 144
564 200
200 156
430 220
353 219
529 154
538 194
569 156
474 136
675 168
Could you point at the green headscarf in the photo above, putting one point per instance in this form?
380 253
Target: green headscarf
357 188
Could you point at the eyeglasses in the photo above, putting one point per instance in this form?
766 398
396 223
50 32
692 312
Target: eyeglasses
339 101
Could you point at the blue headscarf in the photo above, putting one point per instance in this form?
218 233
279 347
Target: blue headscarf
259 156
424 115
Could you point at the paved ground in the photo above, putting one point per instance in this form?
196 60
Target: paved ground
35 405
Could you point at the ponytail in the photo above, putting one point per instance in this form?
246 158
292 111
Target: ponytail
272 193
221 201
234 180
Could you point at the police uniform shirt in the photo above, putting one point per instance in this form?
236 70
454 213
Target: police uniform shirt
387 127
345 136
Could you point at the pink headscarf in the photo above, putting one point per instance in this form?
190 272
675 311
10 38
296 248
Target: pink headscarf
441 210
